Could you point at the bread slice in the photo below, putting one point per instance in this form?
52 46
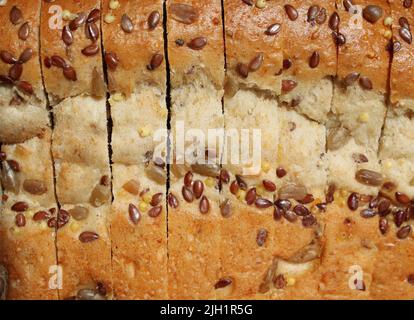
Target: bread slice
139 114
196 56
22 99
74 83
27 240
309 57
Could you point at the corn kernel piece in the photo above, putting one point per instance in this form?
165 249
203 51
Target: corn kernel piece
68 16
265 167
144 131
209 182
387 164
114 4
143 206
118 97
388 34
261 4
147 198
290 281
241 195
260 190
74 226
109 18
388 21
363 117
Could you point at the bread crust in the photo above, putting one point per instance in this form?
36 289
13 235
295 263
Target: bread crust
88 69
134 50
23 115
28 252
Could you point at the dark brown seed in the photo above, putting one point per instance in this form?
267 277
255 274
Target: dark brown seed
353 201
58 61
287 63
3 156
372 13
20 220
402 198
365 83
273 29
334 21
197 43
63 218
51 223
183 13
92 31
314 60
321 16
224 176
279 281
26 55
407 3
126 23
313 11
156 61
155 212
399 218
290 216
24 31
369 177
291 12
187 194
405 34
280 172
111 60
368 213
198 189
322 206
396 46
35 187
403 22
154 19
90 50
249 2
242 70
156 199
309 221
351 78
301 210
7 57
172 201
283 204
383 225
20 206
359 158
25 86
288 85
78 21
410 279
41 215
308 199
134 214
383 207
179 42
94 15
234 187
348 4
14 165
242 184
269 185
277 213
263 203
15 72
404 232
339 38
79 213
261 237
256 62
225 208
88 236
188 179
204 205
222 283
16 15
70 73
251 196
67 36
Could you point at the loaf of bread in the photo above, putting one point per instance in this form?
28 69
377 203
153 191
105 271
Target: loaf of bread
287 172
75 82
138 88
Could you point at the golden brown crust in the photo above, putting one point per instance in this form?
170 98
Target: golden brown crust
186 62
247 39
28 252
88 69
364 37
135 50
403 56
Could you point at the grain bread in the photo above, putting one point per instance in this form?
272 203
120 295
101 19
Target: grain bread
309 57
196 57
27 239
22 99
74 84
359 102
138 112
